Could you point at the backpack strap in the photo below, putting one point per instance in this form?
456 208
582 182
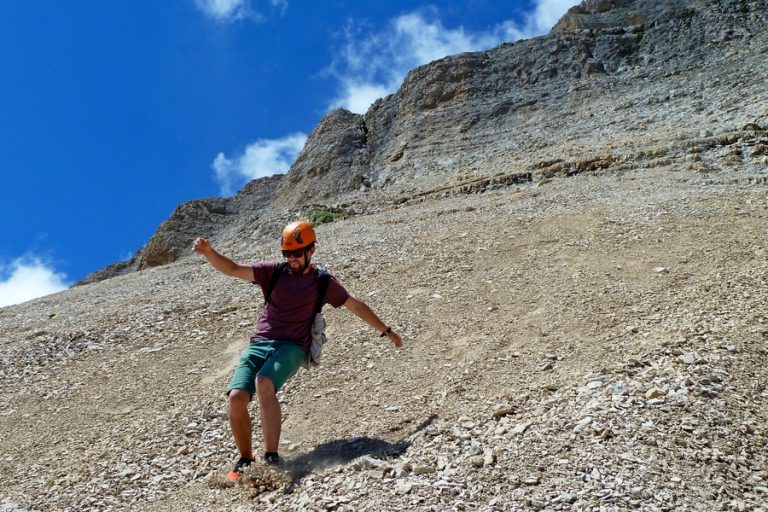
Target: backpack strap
279 269
322 287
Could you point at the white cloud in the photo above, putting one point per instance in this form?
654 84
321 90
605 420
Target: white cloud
542 18
357 97
28 278
373 65
264 157
227 10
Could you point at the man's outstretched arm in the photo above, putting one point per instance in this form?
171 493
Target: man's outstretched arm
221 262
362 311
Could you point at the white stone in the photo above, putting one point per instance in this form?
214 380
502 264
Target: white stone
521 427
403 487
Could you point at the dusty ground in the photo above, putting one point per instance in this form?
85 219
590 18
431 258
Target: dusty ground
595 341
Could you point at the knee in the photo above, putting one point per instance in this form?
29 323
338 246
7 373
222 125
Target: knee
239 399
264 387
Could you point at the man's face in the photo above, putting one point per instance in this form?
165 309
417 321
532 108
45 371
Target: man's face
298 261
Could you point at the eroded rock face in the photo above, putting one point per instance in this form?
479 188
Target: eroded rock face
207 218
333 161
599 71
612 79
210 218
115 269
601 14
176 234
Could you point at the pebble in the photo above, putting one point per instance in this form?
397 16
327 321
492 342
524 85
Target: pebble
504 411
532 480
654 393
423 470
368 462
520 428
583 423
403 487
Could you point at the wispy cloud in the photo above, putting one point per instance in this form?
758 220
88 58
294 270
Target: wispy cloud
27 278
540 20
227 10
372 65
232 10
264 157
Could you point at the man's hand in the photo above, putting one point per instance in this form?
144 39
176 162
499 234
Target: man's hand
222 263
364 313
395 338
202 246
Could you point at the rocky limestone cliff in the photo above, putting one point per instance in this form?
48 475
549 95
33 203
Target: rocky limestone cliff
179 230
479 112
333 162
612 79
602 14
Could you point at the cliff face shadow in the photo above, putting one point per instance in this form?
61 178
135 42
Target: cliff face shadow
343 451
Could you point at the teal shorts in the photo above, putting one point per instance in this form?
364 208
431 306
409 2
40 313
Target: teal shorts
276 360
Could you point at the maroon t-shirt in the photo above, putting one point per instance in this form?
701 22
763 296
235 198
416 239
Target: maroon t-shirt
288 314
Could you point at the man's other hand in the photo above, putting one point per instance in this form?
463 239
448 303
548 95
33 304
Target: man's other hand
202 246
395 339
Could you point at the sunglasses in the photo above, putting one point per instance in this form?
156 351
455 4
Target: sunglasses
298 253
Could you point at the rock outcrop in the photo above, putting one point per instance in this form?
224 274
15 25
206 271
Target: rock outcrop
612 78
334 161
177 233
606 14
212 218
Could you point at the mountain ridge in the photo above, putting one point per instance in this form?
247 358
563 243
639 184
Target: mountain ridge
456 108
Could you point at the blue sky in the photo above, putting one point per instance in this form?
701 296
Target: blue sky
113 113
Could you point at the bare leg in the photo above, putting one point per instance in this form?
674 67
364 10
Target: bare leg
240 421
271 416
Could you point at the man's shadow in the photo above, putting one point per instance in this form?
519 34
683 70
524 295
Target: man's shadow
343 451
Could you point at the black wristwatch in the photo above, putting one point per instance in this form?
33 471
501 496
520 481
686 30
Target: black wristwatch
384 333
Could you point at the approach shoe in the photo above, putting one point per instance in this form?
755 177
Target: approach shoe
271 459
242 463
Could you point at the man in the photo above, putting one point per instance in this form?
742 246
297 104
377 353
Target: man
283 335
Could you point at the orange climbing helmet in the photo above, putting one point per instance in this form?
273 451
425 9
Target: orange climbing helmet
297 235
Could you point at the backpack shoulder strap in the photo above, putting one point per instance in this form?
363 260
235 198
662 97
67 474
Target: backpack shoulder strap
322 287
279 269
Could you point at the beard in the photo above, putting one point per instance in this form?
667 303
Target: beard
299 267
